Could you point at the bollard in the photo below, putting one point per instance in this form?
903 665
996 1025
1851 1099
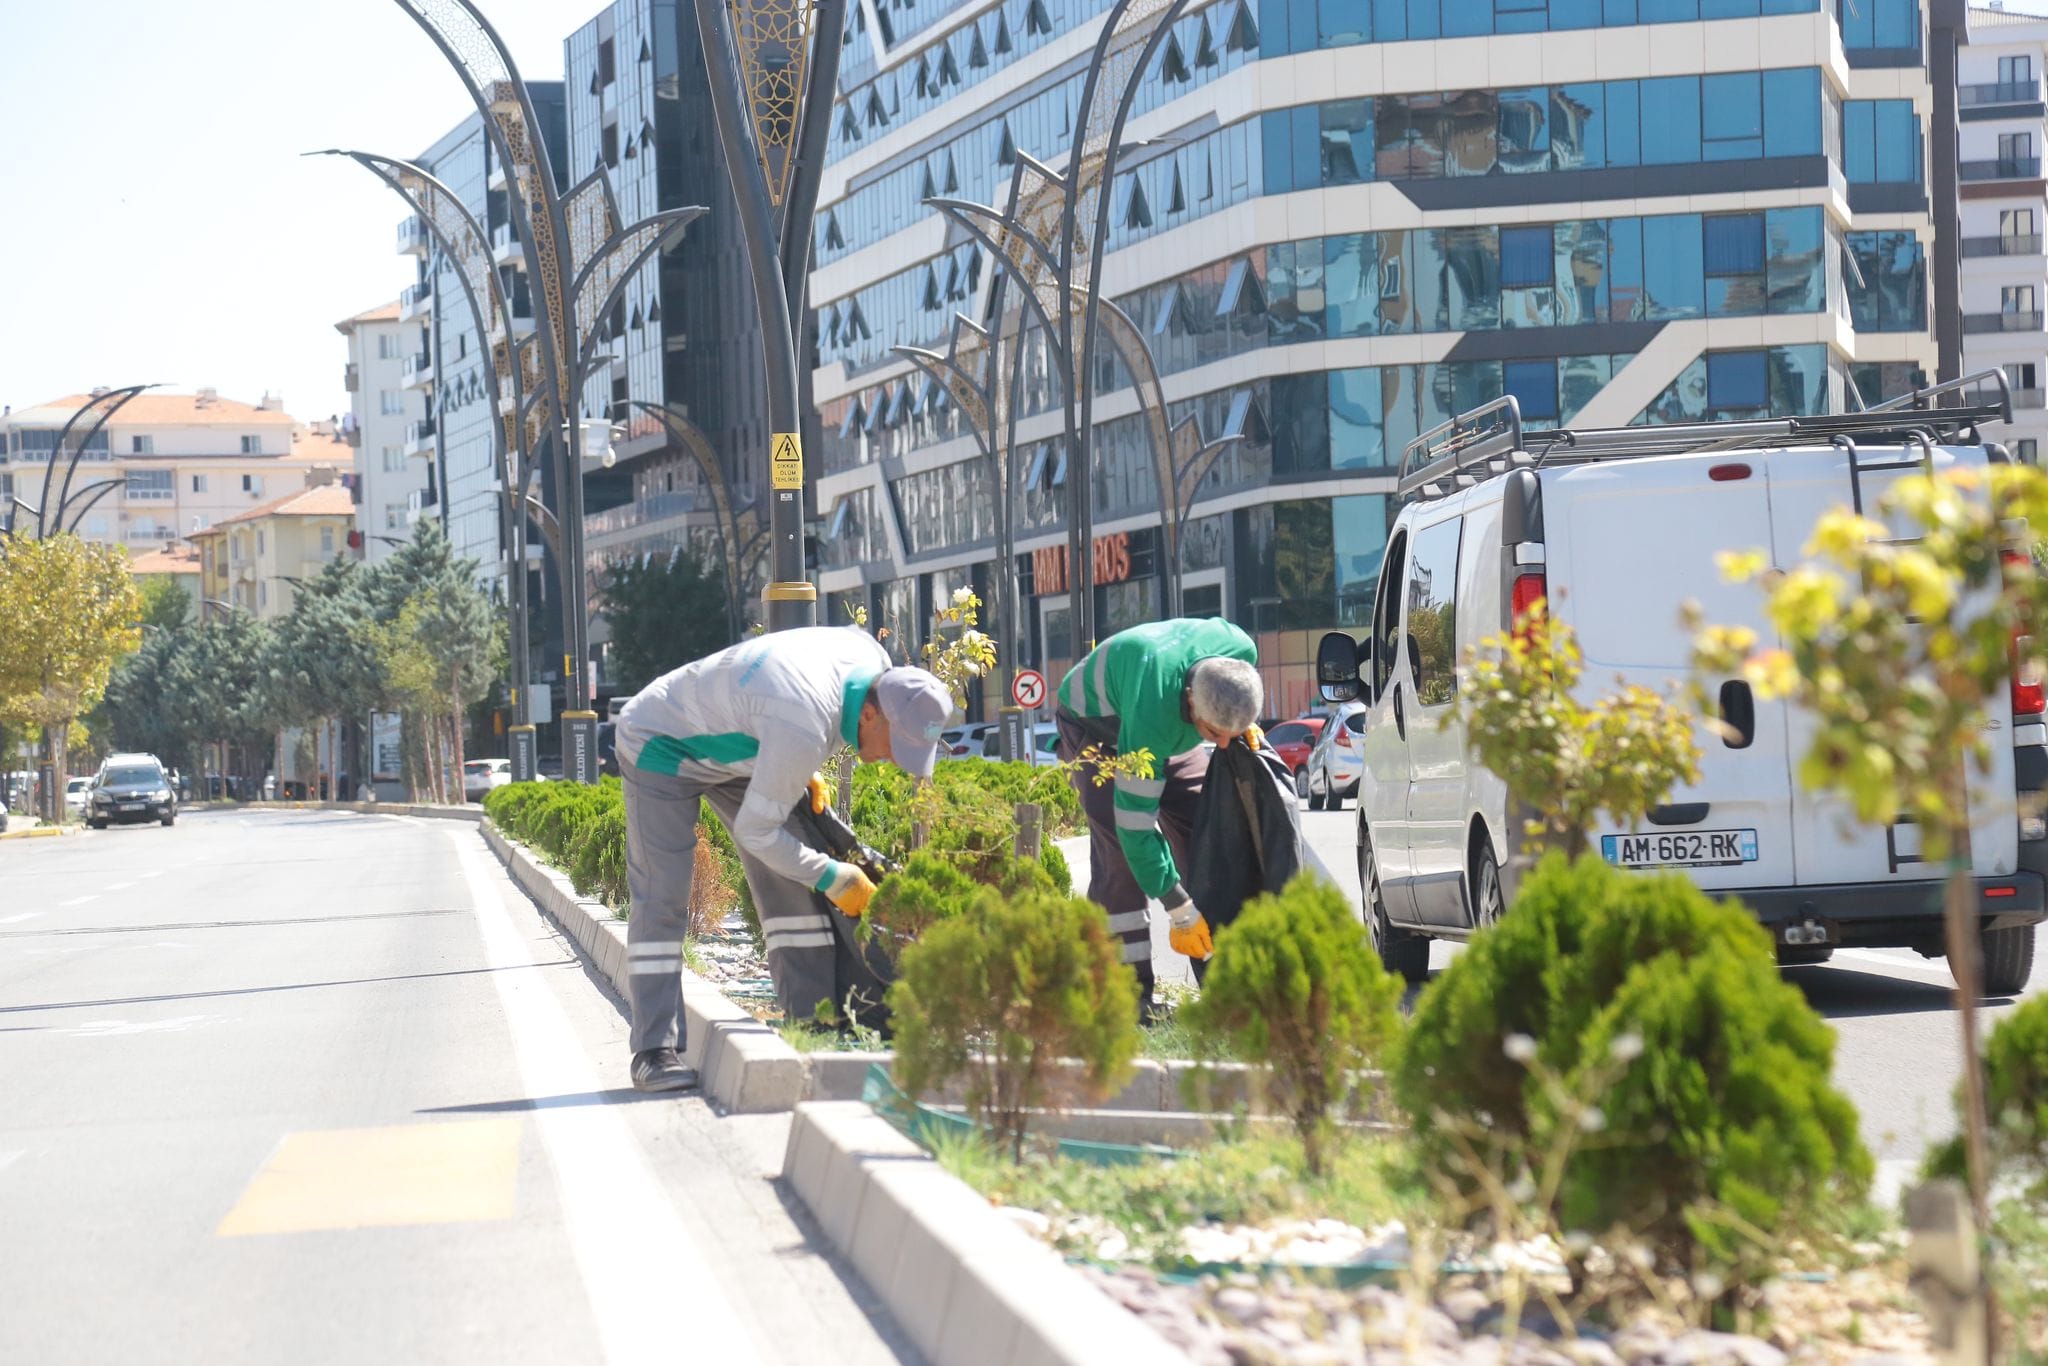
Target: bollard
1030 830
1943 1270
844 803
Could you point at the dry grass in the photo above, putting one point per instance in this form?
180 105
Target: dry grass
712 892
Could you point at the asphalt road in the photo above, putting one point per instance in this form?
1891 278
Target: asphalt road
1898 1049
318 1087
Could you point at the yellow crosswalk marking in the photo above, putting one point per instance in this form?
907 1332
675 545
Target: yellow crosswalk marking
373 1178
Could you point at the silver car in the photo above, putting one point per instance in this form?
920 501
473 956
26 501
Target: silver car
1330 775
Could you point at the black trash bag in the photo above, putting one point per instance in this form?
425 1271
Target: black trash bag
1246 838
861 973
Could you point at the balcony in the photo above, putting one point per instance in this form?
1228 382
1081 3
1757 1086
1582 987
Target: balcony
1999 92
2002 322
656 508
505 250
415 300
2027 245
419 437
413 239
418 502
2000 168
352 377
419 370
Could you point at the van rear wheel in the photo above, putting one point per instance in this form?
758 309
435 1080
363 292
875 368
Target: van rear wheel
2007 960
1401 952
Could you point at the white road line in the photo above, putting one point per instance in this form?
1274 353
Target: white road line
1918 971
630 1245
120 887
81 900
17 919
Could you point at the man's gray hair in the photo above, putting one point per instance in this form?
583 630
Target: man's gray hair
1226 693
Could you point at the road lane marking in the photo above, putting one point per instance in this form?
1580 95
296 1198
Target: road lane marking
630 1244
17 919
457 1172
120 887
81 900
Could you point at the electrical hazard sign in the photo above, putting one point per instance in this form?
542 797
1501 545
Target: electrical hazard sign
786 457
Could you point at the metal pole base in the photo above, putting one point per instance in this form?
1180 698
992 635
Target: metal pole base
1015 741
525 754
579 746
791 605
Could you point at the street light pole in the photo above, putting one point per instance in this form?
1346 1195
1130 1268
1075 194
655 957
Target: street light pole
772 138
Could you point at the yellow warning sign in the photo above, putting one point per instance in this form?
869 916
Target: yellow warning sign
786 456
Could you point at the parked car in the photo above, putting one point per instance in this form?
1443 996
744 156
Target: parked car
77 795
1044 738
1329 776
1617 530
966 739
481 775
131 787
1292 740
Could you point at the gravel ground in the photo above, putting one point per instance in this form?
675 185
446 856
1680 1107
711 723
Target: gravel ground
1240 1321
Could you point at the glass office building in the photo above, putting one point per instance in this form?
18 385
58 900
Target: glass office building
1337 223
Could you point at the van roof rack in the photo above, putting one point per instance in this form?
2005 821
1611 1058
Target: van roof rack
1489 440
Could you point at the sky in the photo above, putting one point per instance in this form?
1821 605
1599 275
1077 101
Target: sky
161 224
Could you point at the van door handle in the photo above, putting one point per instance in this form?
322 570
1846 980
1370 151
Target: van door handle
1738 714
1400 718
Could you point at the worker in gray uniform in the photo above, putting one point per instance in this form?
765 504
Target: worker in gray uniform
747 730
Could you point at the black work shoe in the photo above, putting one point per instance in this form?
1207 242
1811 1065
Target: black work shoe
662 1069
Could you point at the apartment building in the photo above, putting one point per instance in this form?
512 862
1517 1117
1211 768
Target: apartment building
2003 201
255 560
1336 225
639 108
188 462
384 428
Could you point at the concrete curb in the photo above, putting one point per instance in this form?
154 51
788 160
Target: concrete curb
746 1066
969 1286
43 832
473 814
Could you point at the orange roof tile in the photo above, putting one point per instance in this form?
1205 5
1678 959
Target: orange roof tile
318 448
160 409
166 561
322 500
382 313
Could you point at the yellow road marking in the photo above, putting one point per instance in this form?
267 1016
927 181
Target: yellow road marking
371 1178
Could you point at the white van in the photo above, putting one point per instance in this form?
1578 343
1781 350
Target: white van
1617 529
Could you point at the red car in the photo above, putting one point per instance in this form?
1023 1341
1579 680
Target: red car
1292 740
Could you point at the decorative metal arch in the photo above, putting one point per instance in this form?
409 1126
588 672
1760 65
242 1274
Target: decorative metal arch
120 399
738 544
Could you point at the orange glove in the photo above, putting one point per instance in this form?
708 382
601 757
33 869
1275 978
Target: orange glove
1189 932
1254 738
821 797
848 888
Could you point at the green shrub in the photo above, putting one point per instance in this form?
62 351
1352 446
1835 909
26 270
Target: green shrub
974 825
597 856
1726 1109
932 887
1295 984
2015 1101
1001 991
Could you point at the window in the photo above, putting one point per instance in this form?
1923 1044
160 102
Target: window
2016 228
2027 451
2015 70
1881 142
261 541
389 347
394 460
1732 128
263 593
252 445
199 483
1733 255
391 403
149 486
607 63
394 516
252 483
1386 619
608 142
142 445
2015 152
327 541
1737 380
1525 257
1534 385
2017 299
1431 623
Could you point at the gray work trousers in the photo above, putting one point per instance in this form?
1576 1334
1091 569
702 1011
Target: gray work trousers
1111 884
661 855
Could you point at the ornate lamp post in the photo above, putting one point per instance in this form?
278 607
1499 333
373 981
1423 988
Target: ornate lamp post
580 260
740 533
64 513
772 80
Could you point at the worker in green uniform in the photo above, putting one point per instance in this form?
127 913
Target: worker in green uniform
1164 687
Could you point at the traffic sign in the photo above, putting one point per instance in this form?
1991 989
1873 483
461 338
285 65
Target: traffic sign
1027 690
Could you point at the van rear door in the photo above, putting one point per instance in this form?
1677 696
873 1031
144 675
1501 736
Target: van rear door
1831 845
1629 543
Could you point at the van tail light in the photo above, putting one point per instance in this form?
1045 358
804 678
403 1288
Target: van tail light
2029 688
1529 589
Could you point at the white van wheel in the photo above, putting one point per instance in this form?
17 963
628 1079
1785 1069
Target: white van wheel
2007 961
1403 953
1484 887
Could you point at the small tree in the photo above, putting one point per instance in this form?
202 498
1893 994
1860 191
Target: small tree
1566 760
68 613
1004 990
1295 985
1896 648
663 614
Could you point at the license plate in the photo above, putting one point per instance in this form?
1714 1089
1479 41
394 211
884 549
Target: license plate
1681 849
133 806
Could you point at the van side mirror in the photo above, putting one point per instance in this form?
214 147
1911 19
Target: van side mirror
1339 661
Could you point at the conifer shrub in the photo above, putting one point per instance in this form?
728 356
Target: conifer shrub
973 824
1295 985
931 887
1001 991
1638 1009
2015 1101
597 854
